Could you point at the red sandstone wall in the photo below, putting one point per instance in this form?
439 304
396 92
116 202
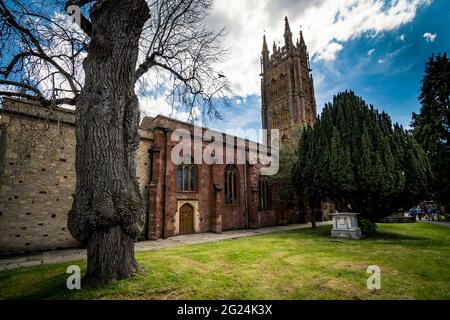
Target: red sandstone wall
215 215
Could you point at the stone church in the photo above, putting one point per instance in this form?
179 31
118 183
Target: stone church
37 171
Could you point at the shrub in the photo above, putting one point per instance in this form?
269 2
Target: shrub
368 228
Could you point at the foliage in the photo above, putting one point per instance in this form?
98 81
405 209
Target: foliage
431 125
282 186
368 228
355 157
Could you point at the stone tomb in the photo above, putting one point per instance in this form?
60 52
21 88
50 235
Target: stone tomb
345 225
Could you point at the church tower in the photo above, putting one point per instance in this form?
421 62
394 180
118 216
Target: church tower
287 87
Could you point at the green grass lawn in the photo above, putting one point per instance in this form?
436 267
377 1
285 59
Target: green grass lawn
302 264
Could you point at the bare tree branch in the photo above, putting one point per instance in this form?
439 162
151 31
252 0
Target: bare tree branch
22 85
176 41
40 44
48 52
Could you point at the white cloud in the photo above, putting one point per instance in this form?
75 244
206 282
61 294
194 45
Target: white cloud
429 37
393 54
152 106
371 52
326 24
330 51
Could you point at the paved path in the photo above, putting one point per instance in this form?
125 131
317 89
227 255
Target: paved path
68 255
445 224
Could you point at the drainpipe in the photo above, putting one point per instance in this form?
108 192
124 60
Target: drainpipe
165 130
245 194
151 152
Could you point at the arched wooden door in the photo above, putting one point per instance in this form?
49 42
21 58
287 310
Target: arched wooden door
186 219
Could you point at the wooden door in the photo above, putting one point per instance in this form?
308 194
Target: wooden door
186 219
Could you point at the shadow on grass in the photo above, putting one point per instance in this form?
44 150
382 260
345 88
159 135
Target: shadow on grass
53 288
324 232
395 236
319 232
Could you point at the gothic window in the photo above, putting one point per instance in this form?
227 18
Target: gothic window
284 118
274 121
280 119
263 194
231 185
186 178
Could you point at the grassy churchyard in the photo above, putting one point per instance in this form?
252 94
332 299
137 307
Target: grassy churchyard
302 264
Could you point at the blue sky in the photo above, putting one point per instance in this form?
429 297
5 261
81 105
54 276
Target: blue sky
376 48
384 67
390 77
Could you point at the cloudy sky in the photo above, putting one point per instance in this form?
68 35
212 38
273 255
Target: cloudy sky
375 47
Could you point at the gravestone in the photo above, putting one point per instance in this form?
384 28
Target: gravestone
345 225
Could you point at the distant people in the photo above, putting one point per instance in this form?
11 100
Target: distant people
424 209
412 212
419 213
434 213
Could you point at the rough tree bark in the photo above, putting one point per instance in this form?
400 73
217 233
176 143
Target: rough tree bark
107 213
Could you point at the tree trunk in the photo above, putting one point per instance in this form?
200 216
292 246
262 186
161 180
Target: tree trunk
313 213
107 213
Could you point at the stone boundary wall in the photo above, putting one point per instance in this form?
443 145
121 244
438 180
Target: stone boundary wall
37 176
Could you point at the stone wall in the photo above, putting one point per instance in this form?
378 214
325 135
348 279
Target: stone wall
37 163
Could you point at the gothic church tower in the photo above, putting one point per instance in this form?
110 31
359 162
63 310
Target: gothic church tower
287 88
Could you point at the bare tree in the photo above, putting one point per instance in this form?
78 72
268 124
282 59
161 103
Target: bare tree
96 67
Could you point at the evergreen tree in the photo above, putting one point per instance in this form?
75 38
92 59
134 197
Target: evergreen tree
355 157
282 187
431 125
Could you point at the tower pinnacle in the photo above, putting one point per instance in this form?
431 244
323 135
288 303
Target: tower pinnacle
265 48
302 40
287 34
287 28
265 54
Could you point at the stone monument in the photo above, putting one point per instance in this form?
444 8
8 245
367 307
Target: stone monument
345 225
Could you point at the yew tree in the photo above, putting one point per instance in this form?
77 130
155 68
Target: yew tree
356 157
431 126
95 55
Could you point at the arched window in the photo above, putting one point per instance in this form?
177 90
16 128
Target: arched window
285 118
186 178
263 194
231 185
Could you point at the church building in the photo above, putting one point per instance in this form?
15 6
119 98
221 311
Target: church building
37 166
